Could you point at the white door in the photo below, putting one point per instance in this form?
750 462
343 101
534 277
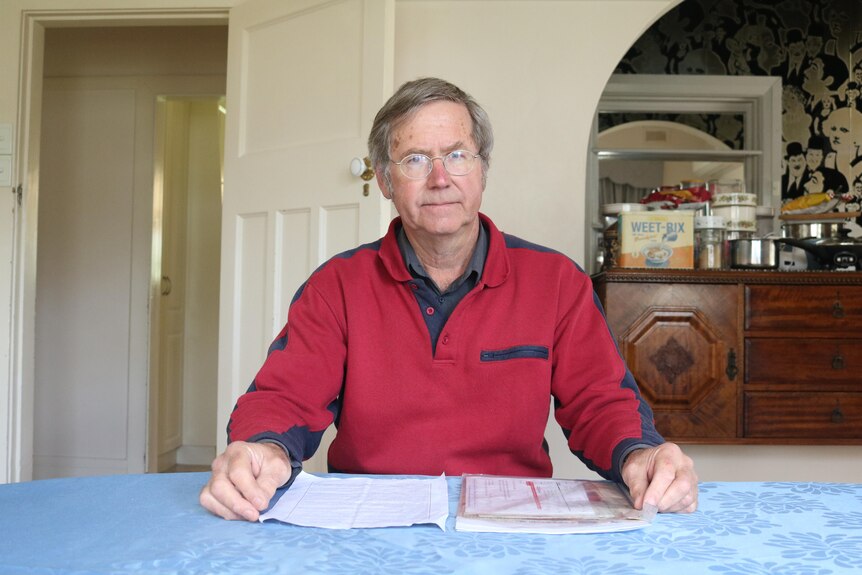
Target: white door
305 79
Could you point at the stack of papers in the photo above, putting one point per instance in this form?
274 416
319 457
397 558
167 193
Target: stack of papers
534 505
347 503
488 503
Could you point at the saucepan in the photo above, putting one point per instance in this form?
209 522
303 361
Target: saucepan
832 253
800 230
754 253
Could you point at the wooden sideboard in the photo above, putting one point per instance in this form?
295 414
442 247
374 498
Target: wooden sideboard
742 356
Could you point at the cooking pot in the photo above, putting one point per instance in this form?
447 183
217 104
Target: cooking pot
803 229
842 252
749 253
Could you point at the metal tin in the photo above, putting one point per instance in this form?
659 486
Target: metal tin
754 253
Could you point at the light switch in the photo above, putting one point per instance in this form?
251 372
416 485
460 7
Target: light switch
5 139
6 171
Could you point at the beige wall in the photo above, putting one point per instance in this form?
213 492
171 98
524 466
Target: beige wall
539 67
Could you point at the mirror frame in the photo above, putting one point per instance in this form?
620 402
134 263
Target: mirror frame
757 98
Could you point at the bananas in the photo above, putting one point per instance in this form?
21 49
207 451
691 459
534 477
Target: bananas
807 201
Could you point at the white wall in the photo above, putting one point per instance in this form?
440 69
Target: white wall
538 68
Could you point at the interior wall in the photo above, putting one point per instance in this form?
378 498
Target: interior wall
533 67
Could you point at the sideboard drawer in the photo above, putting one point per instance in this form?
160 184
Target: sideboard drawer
819 363
803 415
803 307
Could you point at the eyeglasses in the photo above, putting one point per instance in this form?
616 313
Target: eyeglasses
418 166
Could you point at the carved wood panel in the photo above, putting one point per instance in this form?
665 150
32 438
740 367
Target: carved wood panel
676 340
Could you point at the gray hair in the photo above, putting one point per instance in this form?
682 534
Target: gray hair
406 101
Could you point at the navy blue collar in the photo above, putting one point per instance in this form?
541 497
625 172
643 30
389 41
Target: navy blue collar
474 268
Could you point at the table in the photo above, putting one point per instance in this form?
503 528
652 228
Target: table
153 524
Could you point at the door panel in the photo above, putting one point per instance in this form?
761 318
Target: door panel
305 80
83 297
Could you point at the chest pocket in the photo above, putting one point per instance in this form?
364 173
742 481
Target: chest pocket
517 352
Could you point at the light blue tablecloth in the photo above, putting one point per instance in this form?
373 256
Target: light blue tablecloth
153 524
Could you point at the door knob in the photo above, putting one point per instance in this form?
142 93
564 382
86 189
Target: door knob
362 169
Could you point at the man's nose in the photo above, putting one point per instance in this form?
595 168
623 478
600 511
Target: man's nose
438 175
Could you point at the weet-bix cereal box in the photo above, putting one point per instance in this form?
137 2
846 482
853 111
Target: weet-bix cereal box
657 239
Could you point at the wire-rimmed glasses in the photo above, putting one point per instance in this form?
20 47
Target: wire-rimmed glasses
456 163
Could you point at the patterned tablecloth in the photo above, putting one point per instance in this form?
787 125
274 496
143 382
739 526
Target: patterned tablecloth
153 524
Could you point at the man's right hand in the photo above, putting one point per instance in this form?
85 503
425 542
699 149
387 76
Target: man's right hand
244 479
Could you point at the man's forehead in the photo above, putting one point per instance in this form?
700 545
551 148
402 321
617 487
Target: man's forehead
428 118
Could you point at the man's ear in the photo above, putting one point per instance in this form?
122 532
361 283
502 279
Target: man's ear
381 183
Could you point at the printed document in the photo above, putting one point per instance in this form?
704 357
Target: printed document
354 502
535 505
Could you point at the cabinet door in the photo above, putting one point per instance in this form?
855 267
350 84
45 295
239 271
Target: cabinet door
679 340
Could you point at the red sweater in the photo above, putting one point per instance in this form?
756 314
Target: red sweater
356 350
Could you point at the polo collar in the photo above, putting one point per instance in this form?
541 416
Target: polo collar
496 264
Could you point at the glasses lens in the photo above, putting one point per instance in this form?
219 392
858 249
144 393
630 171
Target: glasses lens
418 166
415 166
459 162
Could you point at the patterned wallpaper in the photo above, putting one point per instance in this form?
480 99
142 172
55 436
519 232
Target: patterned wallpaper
814 45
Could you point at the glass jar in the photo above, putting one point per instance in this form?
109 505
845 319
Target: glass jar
610 235
709 243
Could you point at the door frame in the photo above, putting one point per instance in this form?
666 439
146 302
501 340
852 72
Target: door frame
19 447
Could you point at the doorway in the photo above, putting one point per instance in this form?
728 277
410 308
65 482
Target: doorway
187 199
102 402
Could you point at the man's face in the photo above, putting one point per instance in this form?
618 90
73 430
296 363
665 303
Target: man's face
815 184
837 128
439 205
813 158
813 44
796 164
796 50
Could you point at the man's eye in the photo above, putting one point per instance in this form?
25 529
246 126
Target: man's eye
414 160
458 155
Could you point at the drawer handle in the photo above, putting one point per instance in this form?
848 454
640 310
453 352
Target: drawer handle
837 415
731 370
837 309
838 362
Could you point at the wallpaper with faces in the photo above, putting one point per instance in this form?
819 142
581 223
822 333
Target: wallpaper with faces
815 46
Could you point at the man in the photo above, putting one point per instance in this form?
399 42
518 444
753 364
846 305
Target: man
797 174
833 180
437 348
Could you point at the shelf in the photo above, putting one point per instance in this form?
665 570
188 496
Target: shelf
677 155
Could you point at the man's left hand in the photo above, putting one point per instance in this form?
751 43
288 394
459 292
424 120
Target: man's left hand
663 477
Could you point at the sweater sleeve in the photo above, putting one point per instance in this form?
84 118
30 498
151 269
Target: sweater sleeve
597 401
295 395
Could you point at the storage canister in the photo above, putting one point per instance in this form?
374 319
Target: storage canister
738 209
610 234
709 243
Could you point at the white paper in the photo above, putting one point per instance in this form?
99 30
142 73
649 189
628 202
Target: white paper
357 502
533 505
